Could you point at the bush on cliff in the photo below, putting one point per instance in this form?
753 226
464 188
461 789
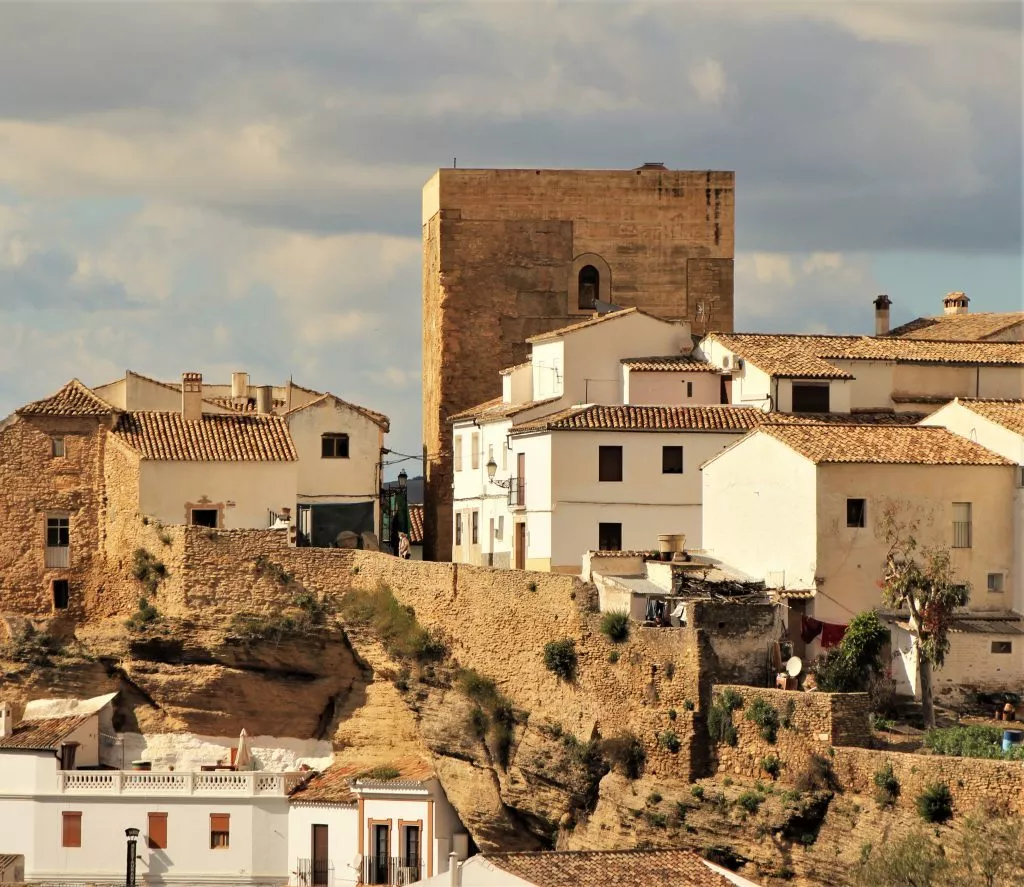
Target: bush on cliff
148 570
145 615
615 626
394 624
850 667
560 658
766 716
492 715
626 752
935 803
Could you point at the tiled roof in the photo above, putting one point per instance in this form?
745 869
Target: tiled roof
959 327
868 417
883 444
167 436
801 356
635 417
624 868
670 364
335 784
416 520
74 399
44 734
239 404
378 419
591 321
494 409
1008 413
513 368
903 397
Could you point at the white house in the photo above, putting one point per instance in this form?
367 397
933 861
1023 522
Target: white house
386 825
801 506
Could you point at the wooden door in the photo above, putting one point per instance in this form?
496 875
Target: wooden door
521 545
319 855
520 491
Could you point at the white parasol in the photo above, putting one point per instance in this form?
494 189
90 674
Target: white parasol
243 757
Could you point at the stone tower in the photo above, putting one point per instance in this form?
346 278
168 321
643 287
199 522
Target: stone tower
509 253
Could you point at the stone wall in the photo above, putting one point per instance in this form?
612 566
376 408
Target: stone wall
498 267
738 637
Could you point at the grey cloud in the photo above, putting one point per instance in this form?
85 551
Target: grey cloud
45 281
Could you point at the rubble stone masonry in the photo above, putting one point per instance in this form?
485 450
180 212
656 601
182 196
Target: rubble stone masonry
500 254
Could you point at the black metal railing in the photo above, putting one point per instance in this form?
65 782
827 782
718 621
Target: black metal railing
517 491
313 873
395 871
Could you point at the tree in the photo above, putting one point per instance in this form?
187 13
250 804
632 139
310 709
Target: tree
921 580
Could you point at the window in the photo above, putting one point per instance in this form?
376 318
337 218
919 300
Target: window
220 831
995 583
156 834
609 537
458 528
856 510
961 524
475 528
334 446
57 447
671 460
457 452
809 398
609 464
58 531
71 829
474 452
1002 646
689 389
589 286
499 527
61 593
203 517
68 752
411 848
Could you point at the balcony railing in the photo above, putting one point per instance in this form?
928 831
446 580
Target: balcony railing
58 557
395 871
221 784
313 873
517 492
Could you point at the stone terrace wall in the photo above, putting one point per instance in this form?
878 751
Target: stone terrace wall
819 722
495 621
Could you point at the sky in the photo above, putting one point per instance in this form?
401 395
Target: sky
194 186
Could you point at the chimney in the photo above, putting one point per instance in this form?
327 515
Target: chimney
192 396
6 720
882 304
239 384
265 399
454 871
955 303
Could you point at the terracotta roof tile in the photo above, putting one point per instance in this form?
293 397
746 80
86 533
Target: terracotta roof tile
785 356
959 327
337 784
167 436
1008 413
670 364
635 417
624 868
513 368
497 409
416 520
45 734
239 404
591 321
882 444
74 399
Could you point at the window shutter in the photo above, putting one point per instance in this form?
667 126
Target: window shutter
72 828
157 831
220 822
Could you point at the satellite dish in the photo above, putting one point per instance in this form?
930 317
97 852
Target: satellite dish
794 666
357 862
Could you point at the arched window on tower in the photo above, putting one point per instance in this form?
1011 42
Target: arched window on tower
589 286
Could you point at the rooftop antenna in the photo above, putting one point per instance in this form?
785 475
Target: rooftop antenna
455 162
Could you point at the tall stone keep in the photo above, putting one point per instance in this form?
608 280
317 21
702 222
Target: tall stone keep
510 253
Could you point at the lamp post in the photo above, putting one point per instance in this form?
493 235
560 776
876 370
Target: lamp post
492 467
133 836
403 480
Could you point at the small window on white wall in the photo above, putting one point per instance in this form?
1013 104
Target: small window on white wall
457 452
995 583
499 527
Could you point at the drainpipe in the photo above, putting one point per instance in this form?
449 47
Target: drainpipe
454 871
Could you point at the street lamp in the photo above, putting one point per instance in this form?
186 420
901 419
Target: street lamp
403 479
133 836
492 467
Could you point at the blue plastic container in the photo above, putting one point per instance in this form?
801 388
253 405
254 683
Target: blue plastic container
1012 738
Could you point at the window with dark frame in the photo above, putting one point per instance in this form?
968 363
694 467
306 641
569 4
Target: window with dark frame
856 512
474 528
58 446
808 398
220 831
995 583
334 446
609 464
458 528
412 846
156 833
204 517
689 389
671 460
609 537
589 287
1002 646
58 531
71 829
962 536
61 593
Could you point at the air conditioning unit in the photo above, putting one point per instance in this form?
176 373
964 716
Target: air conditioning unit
725 362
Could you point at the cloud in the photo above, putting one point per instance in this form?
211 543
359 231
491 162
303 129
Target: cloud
707 77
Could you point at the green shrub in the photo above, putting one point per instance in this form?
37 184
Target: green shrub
850 667
626 752
165 537
531 585
656 819
492 713
669 669
654 798
688 704
395 625
145 615
935 803
264 566
697 791
720 726
477 687
560 658
879 723
771 765
380 774
750 801
671 714
679 810
788 710
148 570
615 626
34 647
670 741
478 722
970 742
766 716
613 656
730 699
887 786
816 776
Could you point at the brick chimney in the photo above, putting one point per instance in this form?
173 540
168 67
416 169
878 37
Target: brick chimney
192 396
955 303
6 720
882 304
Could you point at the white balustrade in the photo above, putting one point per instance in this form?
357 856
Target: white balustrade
147 782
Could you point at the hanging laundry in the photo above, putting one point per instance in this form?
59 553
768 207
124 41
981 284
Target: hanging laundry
831 634
651 614
810 628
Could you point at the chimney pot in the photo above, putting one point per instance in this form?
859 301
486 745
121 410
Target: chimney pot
882 304
6 720
265 399
955 303
192 396
239 384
